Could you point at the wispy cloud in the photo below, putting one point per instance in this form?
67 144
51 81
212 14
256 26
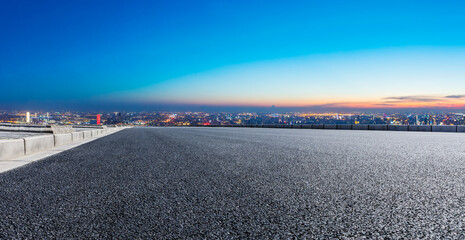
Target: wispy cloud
450 101
342 104
411 99
455 96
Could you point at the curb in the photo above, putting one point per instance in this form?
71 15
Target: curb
14 148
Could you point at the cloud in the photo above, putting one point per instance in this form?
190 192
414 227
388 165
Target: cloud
455 96
411 99
383 104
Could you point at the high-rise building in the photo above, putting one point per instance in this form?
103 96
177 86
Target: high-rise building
28 117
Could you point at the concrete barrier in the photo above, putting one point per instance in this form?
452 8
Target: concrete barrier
329 126
101 131
57 129
62 139
398 127
444 128
420 128
38 143
378 127
87 134
344 126
384 127
460 128
94 133
25 128
360 127
77 136
9 128
11 148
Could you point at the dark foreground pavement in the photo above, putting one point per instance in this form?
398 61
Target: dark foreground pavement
214 183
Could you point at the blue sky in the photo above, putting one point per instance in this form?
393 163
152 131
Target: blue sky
189 52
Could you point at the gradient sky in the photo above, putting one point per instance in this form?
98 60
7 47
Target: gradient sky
354 54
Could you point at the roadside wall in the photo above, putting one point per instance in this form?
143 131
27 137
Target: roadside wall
14 148
11 148
376 127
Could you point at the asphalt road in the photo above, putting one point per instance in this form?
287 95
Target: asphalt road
222 183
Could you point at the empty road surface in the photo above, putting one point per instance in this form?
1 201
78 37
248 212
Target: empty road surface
229 183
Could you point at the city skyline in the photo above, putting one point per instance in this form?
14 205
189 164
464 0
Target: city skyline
230 118
113 55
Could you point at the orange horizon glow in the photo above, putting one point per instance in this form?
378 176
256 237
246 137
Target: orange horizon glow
322 103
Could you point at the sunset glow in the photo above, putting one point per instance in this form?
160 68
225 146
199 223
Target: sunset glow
384 78
144 56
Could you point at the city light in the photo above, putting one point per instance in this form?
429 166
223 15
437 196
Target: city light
231 118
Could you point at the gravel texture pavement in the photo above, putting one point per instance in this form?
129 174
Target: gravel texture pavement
242 183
